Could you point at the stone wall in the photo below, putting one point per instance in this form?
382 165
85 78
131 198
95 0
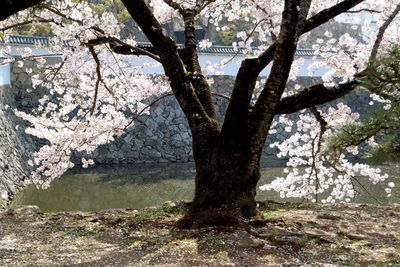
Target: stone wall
15 149
161 136
164 134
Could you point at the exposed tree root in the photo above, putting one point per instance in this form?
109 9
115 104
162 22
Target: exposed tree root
210 217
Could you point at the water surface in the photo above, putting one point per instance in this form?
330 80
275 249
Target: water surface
109 187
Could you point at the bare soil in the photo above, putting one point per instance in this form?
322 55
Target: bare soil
282 235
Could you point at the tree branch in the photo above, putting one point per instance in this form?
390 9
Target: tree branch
98 73
59 68
190 58
99 80
146 107
121 47
221 96
174 5
59 13
270 22
363 10
251 68
312 23
293 21
158 99
314 95
26 23
323 127
201 4
11 7
381 32
167 50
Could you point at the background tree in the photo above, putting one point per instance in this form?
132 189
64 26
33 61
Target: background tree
98 84
382 128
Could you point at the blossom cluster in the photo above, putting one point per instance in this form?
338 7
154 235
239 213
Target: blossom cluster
94 94
311 171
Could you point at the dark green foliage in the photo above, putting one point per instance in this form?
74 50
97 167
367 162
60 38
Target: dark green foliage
228 34
99 7
43 29
381 78
383 75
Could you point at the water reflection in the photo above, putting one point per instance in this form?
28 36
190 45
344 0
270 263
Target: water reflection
107 187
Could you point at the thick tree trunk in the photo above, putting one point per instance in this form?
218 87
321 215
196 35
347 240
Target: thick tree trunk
227 159
226 180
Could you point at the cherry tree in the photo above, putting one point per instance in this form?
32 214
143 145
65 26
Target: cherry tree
96 85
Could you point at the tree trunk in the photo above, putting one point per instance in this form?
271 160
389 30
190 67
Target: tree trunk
210 32
226 180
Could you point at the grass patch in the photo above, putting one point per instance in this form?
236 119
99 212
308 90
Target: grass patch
84 233
165 210
307 240
362 244
272 213
213 242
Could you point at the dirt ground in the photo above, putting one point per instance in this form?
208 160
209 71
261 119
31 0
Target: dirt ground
282 235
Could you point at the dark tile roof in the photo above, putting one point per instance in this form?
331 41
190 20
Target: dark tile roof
231 50
29 40
219 50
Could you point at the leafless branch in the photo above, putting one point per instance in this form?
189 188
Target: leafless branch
26 23
146 107
323 127
315 95
352 178
98 72
174 5
245 41
139 50
16 59
362 10
273 36
221 96
116 44
59 13
381 33
120 68
121 47
201 4
59 68
157 100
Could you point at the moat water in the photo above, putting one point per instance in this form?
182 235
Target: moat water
110 187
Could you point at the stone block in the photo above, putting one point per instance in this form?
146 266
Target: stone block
22 77
185 136
128 138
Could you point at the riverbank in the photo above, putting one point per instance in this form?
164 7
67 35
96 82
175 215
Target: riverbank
282 235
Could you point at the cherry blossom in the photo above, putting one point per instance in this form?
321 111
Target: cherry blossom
95 93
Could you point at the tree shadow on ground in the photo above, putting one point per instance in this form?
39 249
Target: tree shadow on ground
282 234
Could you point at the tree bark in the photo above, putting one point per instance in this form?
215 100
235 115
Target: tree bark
226 180
11 7
228 159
